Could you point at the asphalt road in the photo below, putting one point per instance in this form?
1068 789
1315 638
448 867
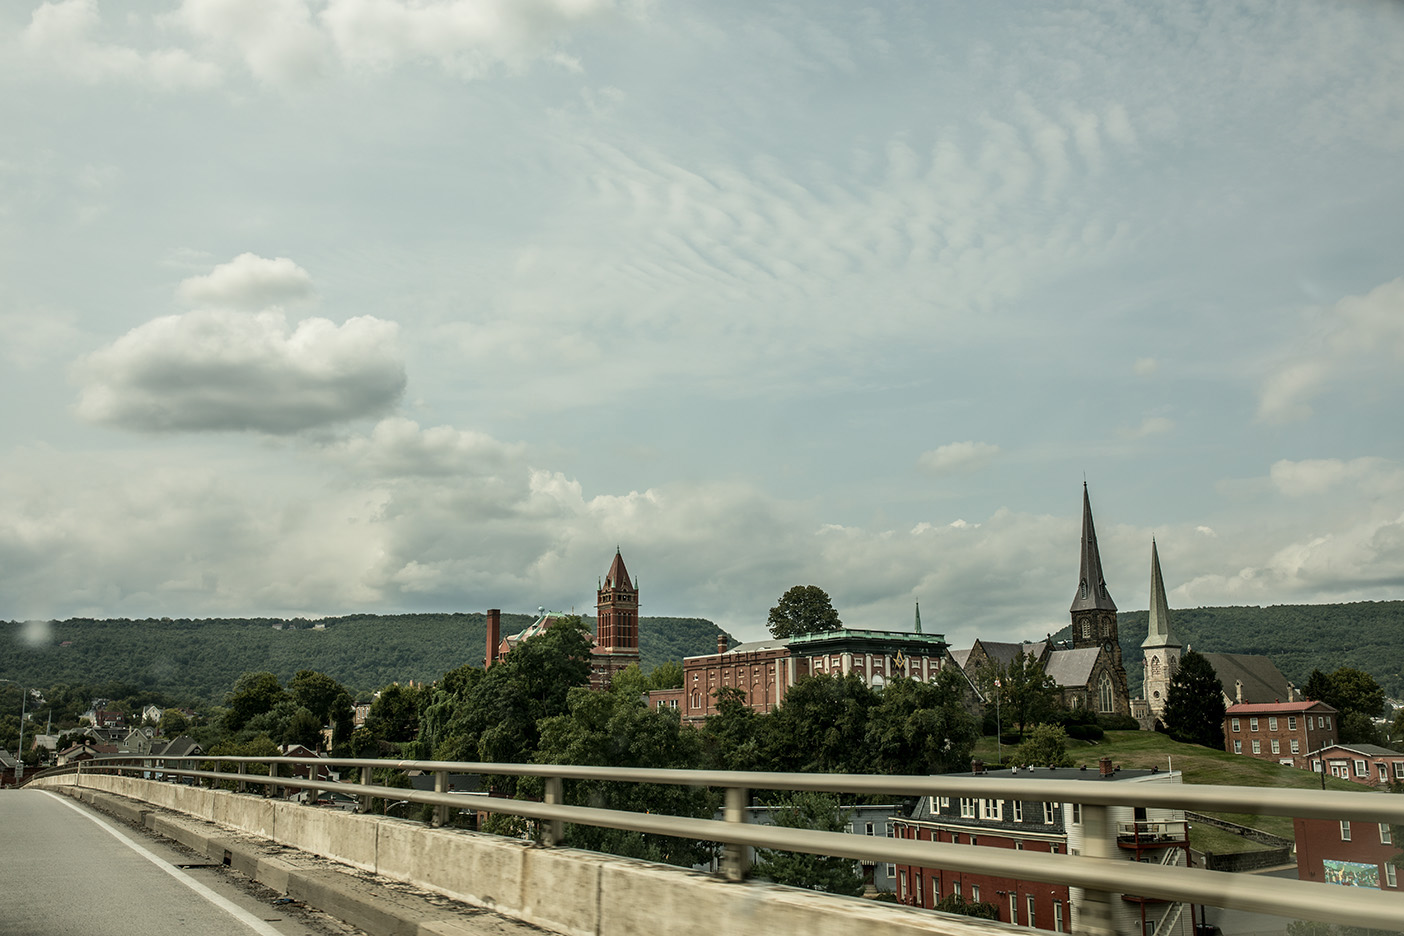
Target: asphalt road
68 871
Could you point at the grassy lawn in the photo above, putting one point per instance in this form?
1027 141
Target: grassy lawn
1144 749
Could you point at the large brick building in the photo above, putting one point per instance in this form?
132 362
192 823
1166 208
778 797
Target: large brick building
1356 854
1285 732
1140 834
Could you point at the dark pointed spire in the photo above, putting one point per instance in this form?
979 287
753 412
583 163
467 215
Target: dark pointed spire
1158 627
618 576
918 616
1092 591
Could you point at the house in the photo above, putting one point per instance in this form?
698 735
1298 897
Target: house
152 714
1364 763
1285 732
1150 834
9 769
81 751
1354 854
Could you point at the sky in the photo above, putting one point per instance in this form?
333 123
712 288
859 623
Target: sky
316 307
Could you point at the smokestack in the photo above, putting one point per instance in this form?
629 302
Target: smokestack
494 635
721 643
1106 766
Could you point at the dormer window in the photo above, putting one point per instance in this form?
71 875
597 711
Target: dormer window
1083 589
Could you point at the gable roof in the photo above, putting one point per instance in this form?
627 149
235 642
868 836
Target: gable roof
1277 708
1369 750
1261 679
1071 667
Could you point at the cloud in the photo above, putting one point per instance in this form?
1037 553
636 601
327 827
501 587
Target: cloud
399 448
277 40
32 339
1150 426
249 282
1317 476
958 457
60 35
1205 531
1145 366
1358 335
218 370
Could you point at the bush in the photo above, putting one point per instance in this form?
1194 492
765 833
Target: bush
1085 732
1110 722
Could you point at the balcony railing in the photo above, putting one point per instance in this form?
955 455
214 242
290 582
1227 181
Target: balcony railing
1097 871
1159 834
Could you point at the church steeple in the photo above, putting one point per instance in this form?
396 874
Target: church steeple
918 616
1158 628
617 625
1092 591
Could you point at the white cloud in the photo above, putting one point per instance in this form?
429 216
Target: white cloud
1145 366
60 35
278 40
1205 531
1354 337
958 457
1312 477
1150 426
398 447
217 370
249 282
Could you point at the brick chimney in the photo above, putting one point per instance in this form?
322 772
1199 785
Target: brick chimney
494 635
721 643
1105 764
977 766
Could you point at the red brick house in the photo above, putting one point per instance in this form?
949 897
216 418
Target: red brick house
1285 732
1364 763
1355 854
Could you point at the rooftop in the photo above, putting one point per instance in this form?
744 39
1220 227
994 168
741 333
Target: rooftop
1274 708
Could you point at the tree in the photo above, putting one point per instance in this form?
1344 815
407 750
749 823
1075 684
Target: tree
818 727
173 723
1354 690
954 903
325 698
804 609
921 728
732 738
253 694
1046 746
1357 728
1027 695
394 715
1194 706
810 810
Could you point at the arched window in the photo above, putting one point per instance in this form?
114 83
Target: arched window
1105 697
878 682
1155 667
1082 590
1087 628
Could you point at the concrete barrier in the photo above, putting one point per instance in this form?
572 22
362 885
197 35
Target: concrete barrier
571 892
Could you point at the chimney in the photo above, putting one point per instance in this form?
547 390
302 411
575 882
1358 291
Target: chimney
1105 764
1238 690
494 635
721 643
977 766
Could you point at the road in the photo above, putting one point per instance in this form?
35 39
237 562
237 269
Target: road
68 871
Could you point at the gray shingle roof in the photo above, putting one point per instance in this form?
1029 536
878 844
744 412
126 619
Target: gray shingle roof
1262 681
1071 667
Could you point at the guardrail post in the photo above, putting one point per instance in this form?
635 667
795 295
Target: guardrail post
243 769
735 861
441 813
553 830
365 781
1098 841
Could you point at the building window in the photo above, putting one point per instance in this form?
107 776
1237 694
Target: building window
1328 721
1276 746
967 808
1291 723
1018 811
1237 746
1385 837
902 885
1105 696
1391 876
1018 846
1321 721
1345 830
1077 813
955 887
1030 920
1013 909
992 810
868 829
1058 916
974 840
1257 746
1296 746
1399 770
1272 723
1252 724
1048 814
975 892
1361 769
1236 724
891 871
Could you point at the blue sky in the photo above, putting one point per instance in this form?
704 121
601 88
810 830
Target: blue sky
368 305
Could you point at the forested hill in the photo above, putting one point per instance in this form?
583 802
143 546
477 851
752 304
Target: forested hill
201 659
1368 635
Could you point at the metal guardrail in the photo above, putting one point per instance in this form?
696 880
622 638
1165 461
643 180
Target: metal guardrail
1096 871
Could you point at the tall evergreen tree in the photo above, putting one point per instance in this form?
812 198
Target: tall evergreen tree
1194 710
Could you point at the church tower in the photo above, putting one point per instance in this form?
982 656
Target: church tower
617 606
1161 651
1094 620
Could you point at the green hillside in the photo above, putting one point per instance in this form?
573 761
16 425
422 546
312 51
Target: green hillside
200 659
1368 635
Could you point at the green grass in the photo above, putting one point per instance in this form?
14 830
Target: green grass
1145 749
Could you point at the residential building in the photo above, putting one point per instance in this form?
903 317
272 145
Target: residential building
1250 679
1139 834
1355 854
1369 764
1285 732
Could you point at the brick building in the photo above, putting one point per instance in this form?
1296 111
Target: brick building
616 631
1285 732
1357 854
1141 834
1364 763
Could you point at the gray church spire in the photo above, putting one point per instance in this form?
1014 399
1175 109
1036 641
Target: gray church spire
1092 591
918 616
1158 628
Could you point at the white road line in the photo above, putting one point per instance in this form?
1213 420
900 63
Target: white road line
234 910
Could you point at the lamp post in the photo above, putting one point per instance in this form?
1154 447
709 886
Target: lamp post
999 730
